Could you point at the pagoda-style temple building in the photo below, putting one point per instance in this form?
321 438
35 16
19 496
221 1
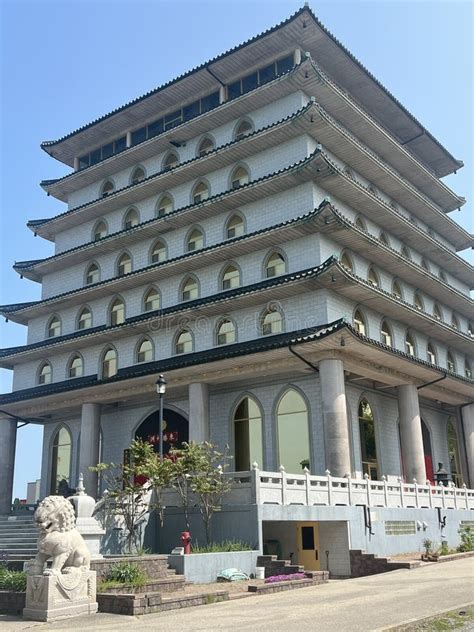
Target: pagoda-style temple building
272 233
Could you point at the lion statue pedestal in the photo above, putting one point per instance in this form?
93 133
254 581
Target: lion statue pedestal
68 588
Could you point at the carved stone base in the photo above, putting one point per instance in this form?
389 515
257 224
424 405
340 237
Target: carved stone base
52 597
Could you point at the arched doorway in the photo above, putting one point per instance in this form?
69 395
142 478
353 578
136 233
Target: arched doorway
61 463
175 430
368 443
453 451
428 453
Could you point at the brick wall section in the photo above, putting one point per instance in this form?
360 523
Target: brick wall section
12 602
363 564
155 566
274 566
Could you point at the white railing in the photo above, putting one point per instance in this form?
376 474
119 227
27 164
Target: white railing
282 488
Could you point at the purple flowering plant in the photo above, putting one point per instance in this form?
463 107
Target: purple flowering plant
284 578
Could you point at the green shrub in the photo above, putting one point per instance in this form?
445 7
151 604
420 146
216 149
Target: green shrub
12 580
467 539
444 548
125 573
226 546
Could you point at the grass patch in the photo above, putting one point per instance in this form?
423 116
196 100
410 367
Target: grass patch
226 546
454 620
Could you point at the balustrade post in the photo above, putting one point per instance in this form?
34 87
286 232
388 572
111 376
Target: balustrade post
349 489
443 500
430 494
283 484
453 487
255 479
307 485
466 498
415 483
328 474
402 500
385 490
367 483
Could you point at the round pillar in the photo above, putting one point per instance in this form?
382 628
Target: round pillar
198 412
411 436
89 446
334 408
8 428
467 416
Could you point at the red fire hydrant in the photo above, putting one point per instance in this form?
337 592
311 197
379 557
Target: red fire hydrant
186 540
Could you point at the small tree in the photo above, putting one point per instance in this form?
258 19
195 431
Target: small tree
200 469
127 495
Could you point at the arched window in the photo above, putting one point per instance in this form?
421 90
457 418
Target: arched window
184 342
418 301
397 290
431 354
99 231
124 264
45 373
239 177
138 175
152 300
368 447
195 240
171 161
373 277
271 322
360 223
406 253
109 364
117 312
248 444
409 344
359 322
145 351
424 264
92 274
235 227
84 320
76 366
54 327
450 362
346 261
131 219
467 369
385 334
190 289
164 206
454 322
61 461
158 252
107 188
293 432
244 128
437 313
230 277
275 265
442 275
205 146
200 192
384 239
453 452
226 333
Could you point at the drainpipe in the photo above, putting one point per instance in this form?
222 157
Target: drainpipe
300 357
438 379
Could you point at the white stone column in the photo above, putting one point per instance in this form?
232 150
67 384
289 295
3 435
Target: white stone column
334 407
467 416
198 412
89 446
411 436
8 428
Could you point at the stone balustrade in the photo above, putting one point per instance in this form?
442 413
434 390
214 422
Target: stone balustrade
282 488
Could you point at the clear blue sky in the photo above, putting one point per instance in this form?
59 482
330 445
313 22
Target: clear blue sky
67 62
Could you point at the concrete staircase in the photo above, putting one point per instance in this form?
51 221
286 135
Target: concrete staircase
18 539
363 564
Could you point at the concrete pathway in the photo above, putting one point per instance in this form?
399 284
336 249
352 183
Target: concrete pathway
363 604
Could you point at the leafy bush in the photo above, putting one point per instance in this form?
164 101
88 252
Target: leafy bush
124 573
428 544
226 546
444 548
467 539
12 580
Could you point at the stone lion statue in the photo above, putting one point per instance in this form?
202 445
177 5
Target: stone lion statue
59 539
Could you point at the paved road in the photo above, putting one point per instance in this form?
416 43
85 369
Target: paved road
364 604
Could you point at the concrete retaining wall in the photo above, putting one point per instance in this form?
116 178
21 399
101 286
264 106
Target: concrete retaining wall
203 568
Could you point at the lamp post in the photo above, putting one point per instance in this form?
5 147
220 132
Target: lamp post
161 390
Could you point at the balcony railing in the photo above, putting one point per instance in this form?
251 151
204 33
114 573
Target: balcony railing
281 488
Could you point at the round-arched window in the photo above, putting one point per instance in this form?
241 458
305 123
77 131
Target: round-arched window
61 462
248 444
293 432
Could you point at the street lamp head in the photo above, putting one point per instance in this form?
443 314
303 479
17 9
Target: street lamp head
161 385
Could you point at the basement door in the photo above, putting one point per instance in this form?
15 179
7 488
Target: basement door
307 540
